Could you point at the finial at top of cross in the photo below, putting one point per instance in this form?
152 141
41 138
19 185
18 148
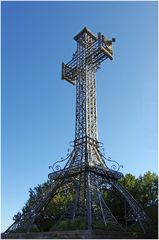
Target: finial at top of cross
86 30
83 31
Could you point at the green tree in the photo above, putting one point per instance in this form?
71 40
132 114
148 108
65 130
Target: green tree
147 186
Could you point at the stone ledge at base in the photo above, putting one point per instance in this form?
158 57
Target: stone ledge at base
79 234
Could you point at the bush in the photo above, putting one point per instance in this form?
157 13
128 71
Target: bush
75 224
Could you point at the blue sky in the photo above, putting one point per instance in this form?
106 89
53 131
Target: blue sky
38 108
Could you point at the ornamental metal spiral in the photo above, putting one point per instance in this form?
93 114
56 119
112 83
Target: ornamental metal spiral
115 166
56 167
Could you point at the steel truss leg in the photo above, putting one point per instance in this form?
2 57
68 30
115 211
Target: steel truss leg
29 218
133 204
89 201
106 212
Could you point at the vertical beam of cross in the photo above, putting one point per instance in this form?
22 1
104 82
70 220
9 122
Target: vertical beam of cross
81 70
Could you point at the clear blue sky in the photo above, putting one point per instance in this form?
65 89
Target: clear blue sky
38 109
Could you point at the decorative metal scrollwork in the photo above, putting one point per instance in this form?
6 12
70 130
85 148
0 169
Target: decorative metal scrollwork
115 166
100 144
56 167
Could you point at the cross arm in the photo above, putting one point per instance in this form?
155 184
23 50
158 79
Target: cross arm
69 70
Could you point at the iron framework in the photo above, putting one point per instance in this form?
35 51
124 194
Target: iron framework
86 172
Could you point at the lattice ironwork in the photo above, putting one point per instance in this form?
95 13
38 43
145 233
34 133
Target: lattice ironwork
87 173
